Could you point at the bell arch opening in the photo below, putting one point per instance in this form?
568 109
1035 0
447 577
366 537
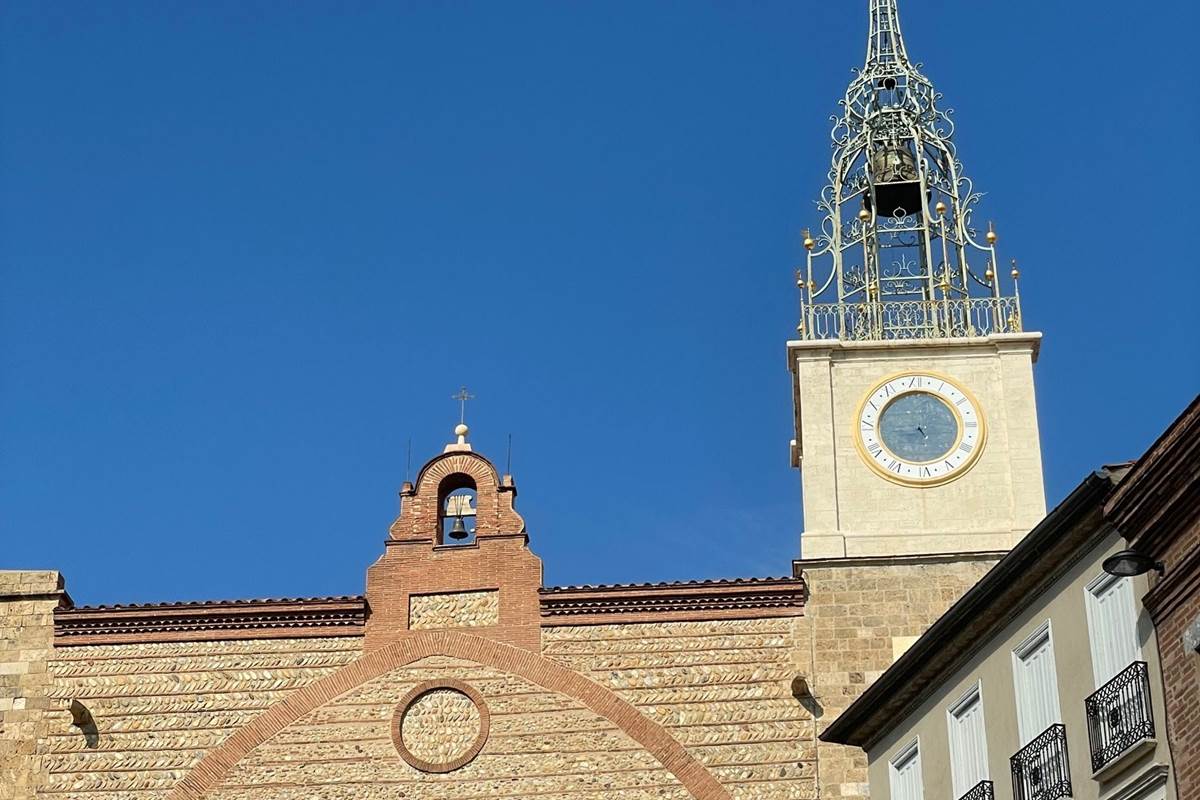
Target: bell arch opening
458 497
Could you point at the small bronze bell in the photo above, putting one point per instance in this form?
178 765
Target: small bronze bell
458 530
896 182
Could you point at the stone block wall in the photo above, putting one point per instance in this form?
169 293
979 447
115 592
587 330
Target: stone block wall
160 707
722 688
539 743
27 603
861 616
851 511
726 693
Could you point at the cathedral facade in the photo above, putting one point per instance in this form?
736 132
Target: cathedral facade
457 673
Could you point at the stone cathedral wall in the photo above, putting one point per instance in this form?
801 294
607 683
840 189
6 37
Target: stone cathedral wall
159 707
540 743
27 603
729 691
722 688
861 616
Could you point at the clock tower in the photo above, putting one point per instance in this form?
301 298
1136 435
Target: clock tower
912 370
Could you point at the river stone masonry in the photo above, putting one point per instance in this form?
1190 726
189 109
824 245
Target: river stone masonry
458 674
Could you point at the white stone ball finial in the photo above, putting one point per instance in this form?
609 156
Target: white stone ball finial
461 430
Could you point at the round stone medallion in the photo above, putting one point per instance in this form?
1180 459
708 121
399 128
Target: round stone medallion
440 726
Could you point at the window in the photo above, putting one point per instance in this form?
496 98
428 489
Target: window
1112 625
905 774
968 742
1036 683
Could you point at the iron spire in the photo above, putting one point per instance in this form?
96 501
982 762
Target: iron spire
897 255
885 42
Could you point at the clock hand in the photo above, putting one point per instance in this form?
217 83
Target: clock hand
923 433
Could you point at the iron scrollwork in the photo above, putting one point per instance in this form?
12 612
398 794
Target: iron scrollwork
896 215
1119 714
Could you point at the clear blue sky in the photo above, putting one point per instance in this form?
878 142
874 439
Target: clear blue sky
250 249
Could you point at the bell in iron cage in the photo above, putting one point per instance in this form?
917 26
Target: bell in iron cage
458 530
896 182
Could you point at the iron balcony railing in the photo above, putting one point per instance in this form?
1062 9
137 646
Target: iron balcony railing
910 319
1040 770
980 791
1119 714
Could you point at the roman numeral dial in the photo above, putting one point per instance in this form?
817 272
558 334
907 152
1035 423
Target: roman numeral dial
919 429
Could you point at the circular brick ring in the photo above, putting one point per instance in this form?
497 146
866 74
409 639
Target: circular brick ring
414 696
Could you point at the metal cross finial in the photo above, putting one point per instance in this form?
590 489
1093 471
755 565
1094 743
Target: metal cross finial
462 397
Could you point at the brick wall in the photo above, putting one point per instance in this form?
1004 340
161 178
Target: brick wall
1174 603
1181 684
27 603
1157 508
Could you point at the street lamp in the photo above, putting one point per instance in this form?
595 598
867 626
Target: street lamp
1128 563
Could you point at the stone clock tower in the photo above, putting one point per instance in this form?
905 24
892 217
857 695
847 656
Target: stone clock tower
912 373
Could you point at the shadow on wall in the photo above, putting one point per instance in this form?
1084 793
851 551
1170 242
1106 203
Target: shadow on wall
802 692
82 718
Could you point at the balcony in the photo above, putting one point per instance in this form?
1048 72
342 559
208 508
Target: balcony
910 319
980 791
1040 770
1119 715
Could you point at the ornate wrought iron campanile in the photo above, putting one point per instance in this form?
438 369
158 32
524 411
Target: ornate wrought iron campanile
897 255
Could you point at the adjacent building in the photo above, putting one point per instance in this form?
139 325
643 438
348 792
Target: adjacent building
1041 682
1157 509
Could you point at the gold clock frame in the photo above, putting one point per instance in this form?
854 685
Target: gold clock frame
962 470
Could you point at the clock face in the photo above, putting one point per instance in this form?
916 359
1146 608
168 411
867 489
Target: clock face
920 429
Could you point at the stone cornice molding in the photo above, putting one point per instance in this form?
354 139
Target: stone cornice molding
213 620
748 598
664 602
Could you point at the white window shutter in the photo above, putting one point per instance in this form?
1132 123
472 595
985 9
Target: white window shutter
1112 625
968 742
1036 683
905 774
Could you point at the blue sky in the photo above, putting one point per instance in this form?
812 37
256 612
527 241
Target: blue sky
250 249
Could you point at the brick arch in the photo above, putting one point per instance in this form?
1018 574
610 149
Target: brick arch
482 471
420 504
213 768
